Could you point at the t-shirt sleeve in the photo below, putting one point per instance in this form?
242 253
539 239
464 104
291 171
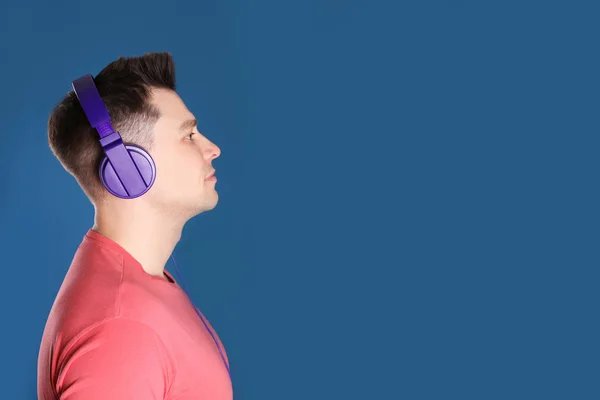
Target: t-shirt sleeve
118 359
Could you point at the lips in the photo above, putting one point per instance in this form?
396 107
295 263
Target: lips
211 177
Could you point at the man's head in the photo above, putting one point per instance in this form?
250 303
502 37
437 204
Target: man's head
139 93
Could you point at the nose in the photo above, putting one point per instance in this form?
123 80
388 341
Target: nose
211 150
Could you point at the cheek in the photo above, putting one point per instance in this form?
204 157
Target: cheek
179 169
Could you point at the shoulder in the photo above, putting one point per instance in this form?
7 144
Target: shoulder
123 351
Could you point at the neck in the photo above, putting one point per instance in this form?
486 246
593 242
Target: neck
147 235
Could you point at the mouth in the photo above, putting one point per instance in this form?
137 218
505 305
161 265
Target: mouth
211 177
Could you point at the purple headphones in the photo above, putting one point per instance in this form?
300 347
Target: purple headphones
127 171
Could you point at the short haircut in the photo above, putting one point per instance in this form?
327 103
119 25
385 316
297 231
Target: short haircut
125 86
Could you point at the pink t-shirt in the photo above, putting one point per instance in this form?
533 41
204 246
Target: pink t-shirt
116 332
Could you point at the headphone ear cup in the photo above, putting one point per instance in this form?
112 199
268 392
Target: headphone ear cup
144 166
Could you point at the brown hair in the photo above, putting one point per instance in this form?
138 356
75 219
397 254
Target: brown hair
125 87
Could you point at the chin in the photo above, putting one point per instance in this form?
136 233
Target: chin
212 204
208 204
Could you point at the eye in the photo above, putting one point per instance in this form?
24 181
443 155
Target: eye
189 137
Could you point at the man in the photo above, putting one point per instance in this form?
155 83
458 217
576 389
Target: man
120 326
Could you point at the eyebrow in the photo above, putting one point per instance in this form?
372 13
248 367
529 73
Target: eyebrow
190 123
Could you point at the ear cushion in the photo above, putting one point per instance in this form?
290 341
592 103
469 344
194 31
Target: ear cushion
145 167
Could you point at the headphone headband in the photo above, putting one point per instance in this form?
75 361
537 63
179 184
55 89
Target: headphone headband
92 105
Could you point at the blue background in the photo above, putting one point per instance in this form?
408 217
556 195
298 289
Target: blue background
409 192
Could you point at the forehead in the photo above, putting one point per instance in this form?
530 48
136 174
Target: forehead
172 108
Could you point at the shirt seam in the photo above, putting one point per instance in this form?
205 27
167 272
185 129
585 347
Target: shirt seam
121 259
